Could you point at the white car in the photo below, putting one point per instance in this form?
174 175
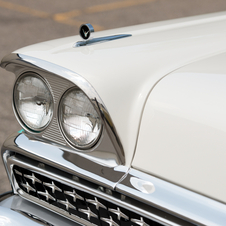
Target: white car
120 127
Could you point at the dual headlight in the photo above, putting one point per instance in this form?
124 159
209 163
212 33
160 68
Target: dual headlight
34 106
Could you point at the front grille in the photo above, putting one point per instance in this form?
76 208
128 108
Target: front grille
75 202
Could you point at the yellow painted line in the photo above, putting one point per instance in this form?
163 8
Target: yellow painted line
77 23
115 5
42 14
100 8
67 15
23 9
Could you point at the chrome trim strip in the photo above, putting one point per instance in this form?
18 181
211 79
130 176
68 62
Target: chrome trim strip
125 202
165 196
101 39
64 159
5 195
18 211
173 199
111 144
10 217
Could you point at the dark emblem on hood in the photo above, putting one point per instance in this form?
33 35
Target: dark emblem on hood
85 31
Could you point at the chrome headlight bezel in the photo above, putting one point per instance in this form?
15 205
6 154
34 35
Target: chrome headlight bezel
17 113
108 149
90 145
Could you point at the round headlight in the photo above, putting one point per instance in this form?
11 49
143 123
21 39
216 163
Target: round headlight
79 120
33 101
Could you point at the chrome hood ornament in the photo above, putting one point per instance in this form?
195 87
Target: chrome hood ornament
85 32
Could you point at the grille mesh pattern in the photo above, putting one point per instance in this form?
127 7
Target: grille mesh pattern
86 206
58 86
53 133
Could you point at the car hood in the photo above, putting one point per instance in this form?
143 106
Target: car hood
124 72
183 128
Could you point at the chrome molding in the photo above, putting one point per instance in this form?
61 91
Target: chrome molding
99 40
5 195
122 202
153 198
18 211
60 80
64 159
173 199
34 218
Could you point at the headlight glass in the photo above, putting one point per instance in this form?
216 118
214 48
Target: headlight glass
33 101
79 120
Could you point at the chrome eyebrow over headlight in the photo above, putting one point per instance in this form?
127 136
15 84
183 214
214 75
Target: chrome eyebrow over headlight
32 102
59 106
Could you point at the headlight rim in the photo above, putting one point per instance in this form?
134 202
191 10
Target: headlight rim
16 111
85 148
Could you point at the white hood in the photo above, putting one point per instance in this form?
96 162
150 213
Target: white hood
123 72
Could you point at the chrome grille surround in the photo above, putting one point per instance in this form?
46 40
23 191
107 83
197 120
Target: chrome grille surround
76 202
92 206
169 204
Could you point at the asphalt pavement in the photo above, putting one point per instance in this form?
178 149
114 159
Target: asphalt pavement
26 22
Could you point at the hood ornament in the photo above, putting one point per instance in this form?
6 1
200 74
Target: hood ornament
86 31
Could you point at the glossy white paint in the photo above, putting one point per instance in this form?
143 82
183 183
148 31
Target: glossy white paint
183 130
124 71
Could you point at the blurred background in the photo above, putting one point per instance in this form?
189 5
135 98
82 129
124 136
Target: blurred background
26 22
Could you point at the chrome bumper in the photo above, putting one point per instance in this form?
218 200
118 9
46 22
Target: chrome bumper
142 192
15 211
